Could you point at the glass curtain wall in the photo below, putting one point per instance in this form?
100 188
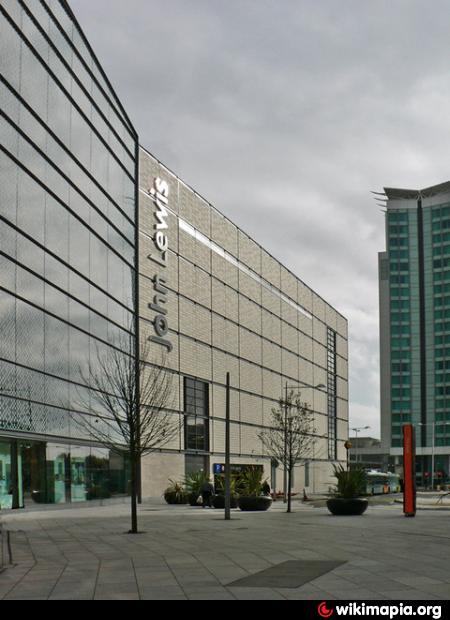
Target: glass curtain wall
332 394
403 269
440 300
196 407
67 229
5 476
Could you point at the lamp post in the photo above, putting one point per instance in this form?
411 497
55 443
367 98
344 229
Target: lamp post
227 452
320 386
357 430
348 445
433 444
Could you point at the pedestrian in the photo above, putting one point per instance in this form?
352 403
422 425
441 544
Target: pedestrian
207 493
266 491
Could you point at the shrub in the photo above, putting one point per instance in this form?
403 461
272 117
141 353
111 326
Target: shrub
350 483
251 483
220 486
175 493
194 482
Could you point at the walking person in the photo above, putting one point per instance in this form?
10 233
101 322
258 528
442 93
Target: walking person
207 493
266 491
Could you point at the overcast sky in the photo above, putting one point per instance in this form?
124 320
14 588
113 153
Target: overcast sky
285 114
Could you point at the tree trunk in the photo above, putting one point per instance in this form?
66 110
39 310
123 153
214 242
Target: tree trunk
134 495
290 466
289 489
139 481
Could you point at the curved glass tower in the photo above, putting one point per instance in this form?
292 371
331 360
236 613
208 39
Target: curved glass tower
415 326
68 170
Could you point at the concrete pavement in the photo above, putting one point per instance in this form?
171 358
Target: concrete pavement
190 553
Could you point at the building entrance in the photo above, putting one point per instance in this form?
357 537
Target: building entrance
46 473
32 470
5 476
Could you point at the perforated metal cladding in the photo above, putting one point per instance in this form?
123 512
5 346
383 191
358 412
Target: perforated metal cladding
67 218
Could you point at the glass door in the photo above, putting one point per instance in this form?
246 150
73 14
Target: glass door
58 474
78 470
5 476
32 466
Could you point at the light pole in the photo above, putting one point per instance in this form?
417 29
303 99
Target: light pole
433 444
227 452
287 406
348 446
357 430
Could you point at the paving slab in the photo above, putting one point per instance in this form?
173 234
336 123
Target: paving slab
81 553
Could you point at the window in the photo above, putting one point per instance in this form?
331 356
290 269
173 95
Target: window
331 391
56 170
196 409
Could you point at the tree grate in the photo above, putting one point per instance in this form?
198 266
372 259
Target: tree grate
292 574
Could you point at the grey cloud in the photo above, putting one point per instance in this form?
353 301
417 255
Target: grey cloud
284 115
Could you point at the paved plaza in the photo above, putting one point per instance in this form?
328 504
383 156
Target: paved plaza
190 553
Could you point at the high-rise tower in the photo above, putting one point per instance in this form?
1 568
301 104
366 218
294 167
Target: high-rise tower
414 278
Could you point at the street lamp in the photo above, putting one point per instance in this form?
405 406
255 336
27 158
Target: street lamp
433 443
348 446
320 386
357 430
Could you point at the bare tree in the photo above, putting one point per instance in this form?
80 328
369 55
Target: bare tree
290 438
129 407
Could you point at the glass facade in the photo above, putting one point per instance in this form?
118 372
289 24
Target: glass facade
5 476
67 241
403 271
331 394
196 405
439 226
419 279
49 473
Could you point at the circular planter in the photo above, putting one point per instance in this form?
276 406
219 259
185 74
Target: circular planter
254 504
340 506
219 502
37 497
175 499
193 500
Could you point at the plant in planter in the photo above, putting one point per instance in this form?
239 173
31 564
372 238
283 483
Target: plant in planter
193 484
351 484
252 499
219 498
175 493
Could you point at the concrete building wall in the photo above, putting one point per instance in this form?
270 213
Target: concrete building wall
231 307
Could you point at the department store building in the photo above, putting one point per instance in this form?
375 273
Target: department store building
232 307
82 258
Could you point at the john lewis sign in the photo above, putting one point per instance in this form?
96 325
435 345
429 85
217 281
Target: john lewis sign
160 196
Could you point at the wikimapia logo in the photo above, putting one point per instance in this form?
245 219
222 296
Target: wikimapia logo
324 612
388 611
